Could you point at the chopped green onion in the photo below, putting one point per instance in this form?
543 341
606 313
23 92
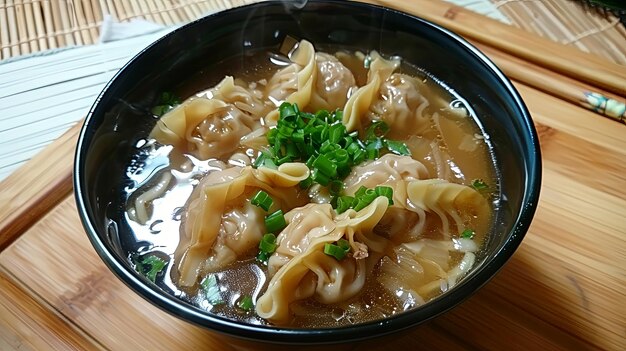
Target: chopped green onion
373 148
286 109
467 234
286 129
344 203
376 144
385 191
338 115
262 200
376 130
305 184
263 257
337 131
335 187
285 159
366 199
275 222
268 243
344 244
328 147
160 110
167 101
479 184
323 142
359 156
246 303
271 135
320 177
212 290
398 148
336 251
298 136
341 157
150 266
360 191
264 160
372 154
326 166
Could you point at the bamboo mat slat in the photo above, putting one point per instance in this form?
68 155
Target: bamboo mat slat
570 23
28 26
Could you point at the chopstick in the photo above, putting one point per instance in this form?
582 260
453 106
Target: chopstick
565 88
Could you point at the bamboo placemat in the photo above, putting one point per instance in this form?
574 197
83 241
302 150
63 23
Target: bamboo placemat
570 23
28 26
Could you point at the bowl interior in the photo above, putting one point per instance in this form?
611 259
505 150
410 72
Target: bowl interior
121 117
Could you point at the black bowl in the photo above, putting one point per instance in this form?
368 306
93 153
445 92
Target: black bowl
120 117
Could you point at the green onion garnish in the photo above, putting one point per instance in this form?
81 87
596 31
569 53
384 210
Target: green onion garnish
275 222
385 191
212 290
323 143
397 147
360 191
262 200
167 101
467 234
376 130
338 250
335 187
305 184
268 243
362 201
362 198
149 266
267 246
479 184
263 257
344 244
344 203
325 165
246 303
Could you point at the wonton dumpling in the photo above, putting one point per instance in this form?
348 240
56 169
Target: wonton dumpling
457 201
359 103
304 224
314 81
434 156
211 127
420 270
387 170
294 83
315 274
333 85
401 105
218 198
394 171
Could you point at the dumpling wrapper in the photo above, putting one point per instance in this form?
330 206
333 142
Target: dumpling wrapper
212 126
315 274
213 197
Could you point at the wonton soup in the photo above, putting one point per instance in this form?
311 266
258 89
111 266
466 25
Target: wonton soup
311 190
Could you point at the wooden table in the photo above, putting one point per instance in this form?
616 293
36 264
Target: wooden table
564 289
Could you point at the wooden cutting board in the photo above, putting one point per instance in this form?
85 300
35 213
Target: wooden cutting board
564 289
